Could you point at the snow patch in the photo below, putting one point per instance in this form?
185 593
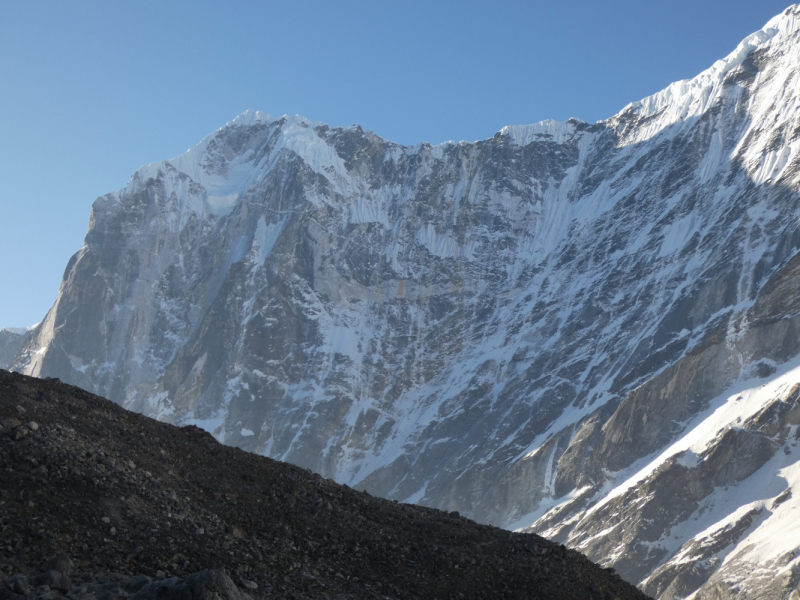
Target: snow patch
265 237
222 205
544 131
417 496
368 211
213 424
677 234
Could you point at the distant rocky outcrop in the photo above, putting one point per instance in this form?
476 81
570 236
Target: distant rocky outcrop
97 503
11 340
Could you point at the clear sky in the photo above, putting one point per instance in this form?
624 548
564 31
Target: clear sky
92 90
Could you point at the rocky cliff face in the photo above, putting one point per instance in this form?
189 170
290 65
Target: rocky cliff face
564 327
11 340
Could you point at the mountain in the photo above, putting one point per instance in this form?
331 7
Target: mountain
588 330
11 340
118 497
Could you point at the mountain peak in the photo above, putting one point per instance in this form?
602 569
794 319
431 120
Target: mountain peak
251 117
500 328
691 97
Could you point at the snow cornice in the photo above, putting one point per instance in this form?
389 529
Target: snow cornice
690 97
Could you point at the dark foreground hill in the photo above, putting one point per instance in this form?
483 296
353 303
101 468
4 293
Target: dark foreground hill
102 495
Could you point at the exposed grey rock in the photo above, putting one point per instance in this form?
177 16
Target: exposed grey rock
510 328
18 584
11 341
61 563
137 582
205 585
54 580
214 585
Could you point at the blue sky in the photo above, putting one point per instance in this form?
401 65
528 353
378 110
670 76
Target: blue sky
91 91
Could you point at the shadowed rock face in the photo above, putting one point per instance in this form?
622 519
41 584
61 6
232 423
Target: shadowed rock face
11 341
96 500
503 328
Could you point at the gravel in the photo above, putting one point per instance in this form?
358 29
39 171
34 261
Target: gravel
98 503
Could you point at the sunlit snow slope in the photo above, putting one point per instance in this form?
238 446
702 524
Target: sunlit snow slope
550 328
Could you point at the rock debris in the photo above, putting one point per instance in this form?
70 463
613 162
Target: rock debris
98 503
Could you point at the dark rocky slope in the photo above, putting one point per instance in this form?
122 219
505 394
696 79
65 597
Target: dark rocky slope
88 486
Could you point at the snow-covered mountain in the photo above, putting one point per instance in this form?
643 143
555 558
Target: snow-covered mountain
590 330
